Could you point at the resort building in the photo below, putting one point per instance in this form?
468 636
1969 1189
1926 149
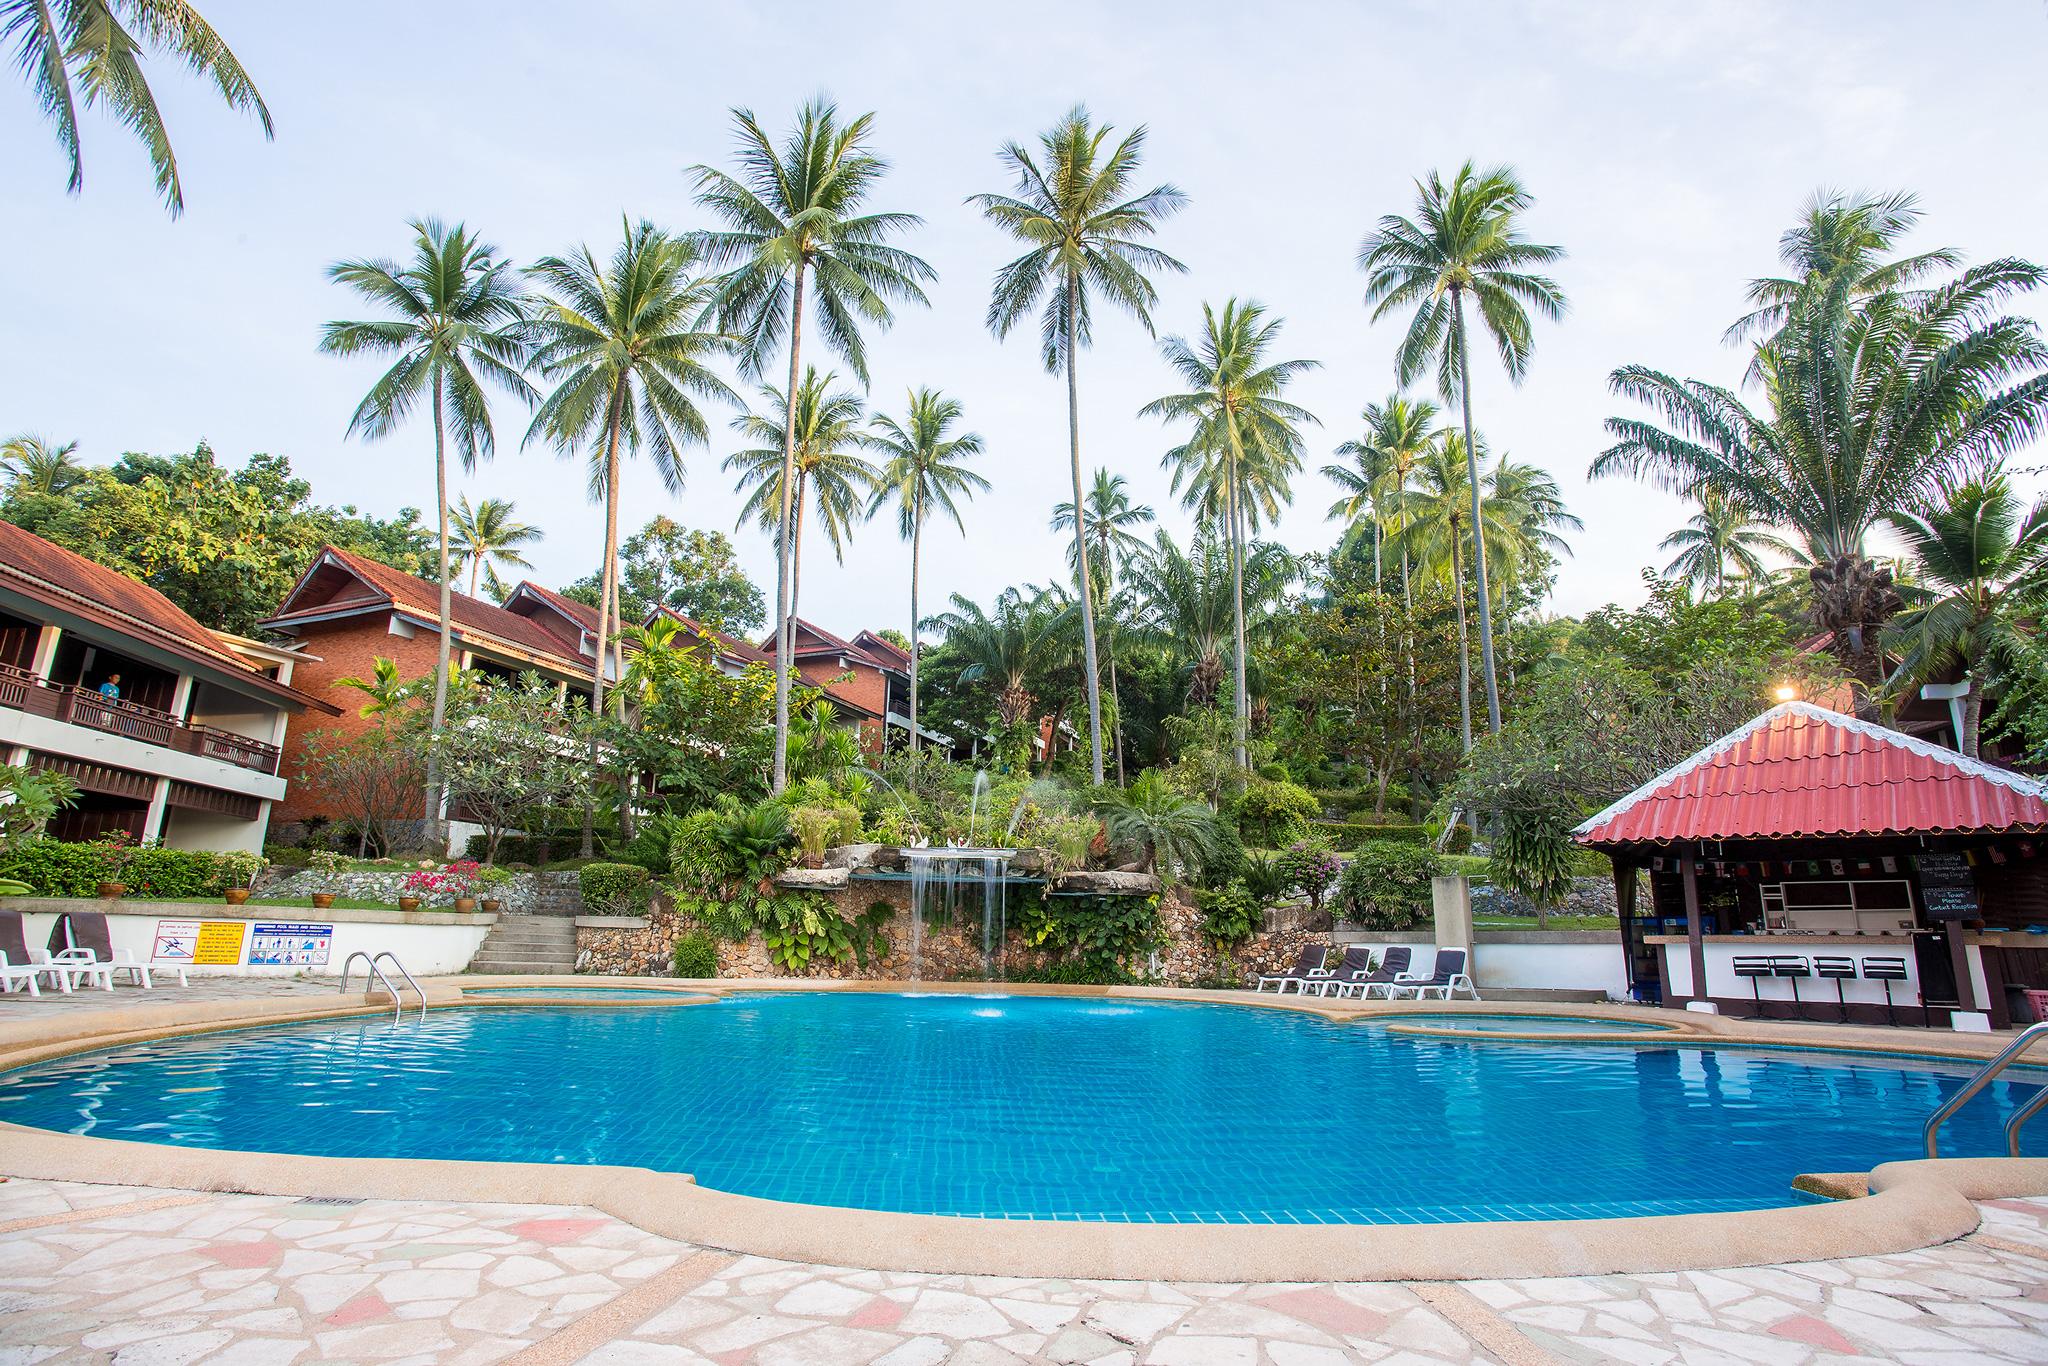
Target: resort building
173 733
867 674
1813 865
349 611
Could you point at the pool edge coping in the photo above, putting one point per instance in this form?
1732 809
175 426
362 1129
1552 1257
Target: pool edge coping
1912 1204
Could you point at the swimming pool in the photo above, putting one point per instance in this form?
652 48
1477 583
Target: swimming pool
1034 1107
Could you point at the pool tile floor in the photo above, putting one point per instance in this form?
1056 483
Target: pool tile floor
149 1277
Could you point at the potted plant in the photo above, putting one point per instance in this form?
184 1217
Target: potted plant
489 879
459 881
328 866
115 852
238 872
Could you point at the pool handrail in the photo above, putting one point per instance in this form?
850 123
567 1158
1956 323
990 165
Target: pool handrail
373 971
2028 1037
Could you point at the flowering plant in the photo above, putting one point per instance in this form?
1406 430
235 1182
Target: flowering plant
1310 867
458 879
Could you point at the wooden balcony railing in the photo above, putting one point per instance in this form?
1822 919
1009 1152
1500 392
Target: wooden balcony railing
20 691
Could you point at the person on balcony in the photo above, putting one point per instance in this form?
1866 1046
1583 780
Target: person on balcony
110 691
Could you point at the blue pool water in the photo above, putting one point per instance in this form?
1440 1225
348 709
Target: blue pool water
1472 1021
582 993
1039 1107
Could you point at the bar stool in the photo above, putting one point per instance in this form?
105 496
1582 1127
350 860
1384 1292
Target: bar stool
1887 971
1795 968
1755 967
1841 968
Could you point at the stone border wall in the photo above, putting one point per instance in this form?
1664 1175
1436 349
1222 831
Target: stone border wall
525 894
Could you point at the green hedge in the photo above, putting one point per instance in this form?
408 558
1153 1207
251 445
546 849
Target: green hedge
1344 834
696 955
65 868
1385 886
615 888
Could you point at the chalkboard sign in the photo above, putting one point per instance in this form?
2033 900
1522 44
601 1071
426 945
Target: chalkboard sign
1948 888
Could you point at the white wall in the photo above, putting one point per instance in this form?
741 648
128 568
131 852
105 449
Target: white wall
424 946
188 829
1564 961
118 751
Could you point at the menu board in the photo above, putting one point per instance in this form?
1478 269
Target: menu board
1948 888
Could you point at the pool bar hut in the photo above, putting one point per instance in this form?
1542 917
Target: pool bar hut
1810 865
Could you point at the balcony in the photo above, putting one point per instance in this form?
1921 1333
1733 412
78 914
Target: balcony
22 691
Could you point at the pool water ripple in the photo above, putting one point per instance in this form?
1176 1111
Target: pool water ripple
1035 1107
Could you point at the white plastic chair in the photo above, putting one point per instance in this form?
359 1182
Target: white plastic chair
10 973
69 965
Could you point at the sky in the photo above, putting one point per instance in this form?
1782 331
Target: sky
1667 146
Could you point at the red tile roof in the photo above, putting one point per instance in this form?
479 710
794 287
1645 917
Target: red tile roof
1800 770
886 657
887 652
732 645
64 579
475 619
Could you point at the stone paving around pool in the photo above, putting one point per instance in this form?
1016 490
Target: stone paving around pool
19 1005
133 1275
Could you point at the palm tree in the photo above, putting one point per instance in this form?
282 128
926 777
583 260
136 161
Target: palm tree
1976 557
1005 646
59 42
623 346
1465 240
1169 830
454 319
1396 434
487 533
794 217
828 432
926 469
1244 432
1190 600
1082 236
1111 542
36 466
1720 542
1872 408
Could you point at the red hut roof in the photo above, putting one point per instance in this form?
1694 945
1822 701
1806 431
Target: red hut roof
1801 770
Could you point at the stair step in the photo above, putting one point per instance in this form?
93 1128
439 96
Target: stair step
522 966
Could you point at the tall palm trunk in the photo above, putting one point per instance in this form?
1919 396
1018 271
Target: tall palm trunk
916 541
1081 532
1241 707
1116 701
627 776
784 588
796 572
433 796
1408 650
1973 715
1478 534
607 581
476 564
1464 645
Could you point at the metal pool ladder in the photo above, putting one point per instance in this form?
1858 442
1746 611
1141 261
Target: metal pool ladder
370 962
2028 1037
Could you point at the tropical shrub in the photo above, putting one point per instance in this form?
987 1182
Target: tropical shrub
1264 876
1341 833
1174 833
1310 867
1385 886
813 827
1104 933
615 888
802 930
1229 915
69 868
1270 814
29 797
728 850
695 955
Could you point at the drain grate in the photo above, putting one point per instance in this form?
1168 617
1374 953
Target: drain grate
323 1200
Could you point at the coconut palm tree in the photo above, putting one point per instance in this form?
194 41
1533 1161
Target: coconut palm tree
1006 646
36 466
1083 232
1719 543
1976 556
1244 433
78 54
452 326
828 468
1383 459
926 470
623 346
1872 407
486 534
796 219
1111 515
1466 239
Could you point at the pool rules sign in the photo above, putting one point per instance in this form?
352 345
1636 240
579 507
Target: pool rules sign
198 943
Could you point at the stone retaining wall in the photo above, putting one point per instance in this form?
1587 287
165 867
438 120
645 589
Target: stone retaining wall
522 895
1588 896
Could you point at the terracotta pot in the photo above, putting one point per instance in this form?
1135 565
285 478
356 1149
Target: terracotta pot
493 905
408 903
111 890
322 900
465 904
237 895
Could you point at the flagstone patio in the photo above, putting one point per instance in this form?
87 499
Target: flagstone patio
135 1275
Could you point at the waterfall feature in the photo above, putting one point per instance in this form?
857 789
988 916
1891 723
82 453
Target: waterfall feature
941 880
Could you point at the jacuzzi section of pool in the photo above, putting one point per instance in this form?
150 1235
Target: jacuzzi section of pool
580 993
1472 1022
1036 1107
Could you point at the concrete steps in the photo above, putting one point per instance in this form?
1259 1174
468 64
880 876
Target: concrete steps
528 944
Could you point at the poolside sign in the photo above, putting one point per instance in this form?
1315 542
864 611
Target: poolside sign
198 943
290 945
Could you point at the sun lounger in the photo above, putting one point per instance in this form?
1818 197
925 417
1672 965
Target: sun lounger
86 938
1356 967
15 963
1448 978
1392 967
1308 968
